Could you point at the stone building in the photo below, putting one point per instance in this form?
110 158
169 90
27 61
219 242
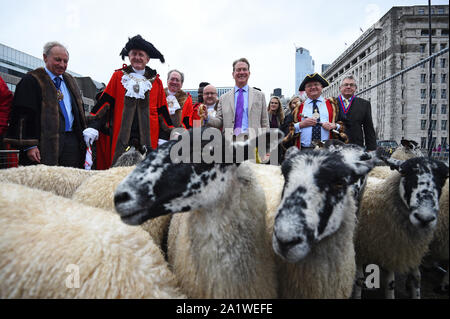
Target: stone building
400 106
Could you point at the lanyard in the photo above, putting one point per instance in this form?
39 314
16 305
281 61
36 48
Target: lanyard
345 109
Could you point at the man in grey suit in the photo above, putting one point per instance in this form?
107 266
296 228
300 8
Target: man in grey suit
242 108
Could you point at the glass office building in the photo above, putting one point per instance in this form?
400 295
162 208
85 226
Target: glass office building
304 64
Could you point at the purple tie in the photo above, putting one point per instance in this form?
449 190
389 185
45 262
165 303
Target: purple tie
239 113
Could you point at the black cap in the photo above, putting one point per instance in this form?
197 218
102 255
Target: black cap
138 43
315 77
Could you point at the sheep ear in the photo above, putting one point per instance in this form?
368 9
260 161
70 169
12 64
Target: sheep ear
333 143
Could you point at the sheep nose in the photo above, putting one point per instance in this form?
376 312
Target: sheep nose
286 244
121 198
425 219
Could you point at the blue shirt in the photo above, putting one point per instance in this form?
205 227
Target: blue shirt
66 93
306 132
245 115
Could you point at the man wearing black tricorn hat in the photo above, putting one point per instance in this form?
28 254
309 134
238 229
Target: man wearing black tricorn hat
315 117
130 107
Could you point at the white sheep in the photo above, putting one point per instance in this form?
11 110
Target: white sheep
397 219
98 191
314 225
62 181
53 247
219 247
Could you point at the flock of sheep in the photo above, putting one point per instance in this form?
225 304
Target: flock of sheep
304 229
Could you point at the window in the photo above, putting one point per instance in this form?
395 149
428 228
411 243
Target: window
443 46
444 141
443 78
433 142
423 109
423 47
403 125
433 93
423 124
421 11
440 11
433 62
433 109
444 32
427 32
442 63
443 93
423 78
444 125
433 48
423 93
444 109
433 78
423 142
433 125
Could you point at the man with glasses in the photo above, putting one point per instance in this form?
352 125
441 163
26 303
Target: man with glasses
356 114
315 117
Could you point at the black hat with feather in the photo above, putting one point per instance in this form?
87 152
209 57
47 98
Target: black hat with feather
138 43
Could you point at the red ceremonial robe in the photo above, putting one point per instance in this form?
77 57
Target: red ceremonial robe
111 108
332 115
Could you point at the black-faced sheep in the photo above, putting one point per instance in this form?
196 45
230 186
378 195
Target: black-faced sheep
314 226
219 247
397 218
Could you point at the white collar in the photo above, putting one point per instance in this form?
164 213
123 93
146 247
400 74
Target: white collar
140 72
170 92
319 99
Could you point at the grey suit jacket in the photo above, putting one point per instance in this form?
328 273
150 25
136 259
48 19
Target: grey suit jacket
257 111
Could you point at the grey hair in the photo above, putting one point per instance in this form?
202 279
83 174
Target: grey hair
179 72
350 77
50 45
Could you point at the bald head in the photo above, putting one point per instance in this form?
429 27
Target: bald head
209 94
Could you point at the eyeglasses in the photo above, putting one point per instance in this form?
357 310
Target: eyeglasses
349 84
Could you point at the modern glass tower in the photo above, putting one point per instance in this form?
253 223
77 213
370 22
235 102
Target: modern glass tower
304 64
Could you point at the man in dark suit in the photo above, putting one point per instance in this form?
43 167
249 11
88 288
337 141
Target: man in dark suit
47 116
356 114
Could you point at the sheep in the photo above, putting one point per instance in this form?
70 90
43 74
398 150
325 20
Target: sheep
62 181
53 247
397 219
315 221
98 191
218 246
439 248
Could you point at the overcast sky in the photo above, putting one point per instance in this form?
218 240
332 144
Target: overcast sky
199 37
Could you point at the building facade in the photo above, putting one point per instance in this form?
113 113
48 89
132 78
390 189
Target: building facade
304 64
15 64
400 106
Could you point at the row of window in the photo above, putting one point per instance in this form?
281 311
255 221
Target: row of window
423 125
422 11
443 63
423 93
423 78
20 58
423 47
423 109
423 142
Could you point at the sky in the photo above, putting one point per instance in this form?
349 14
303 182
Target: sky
201 38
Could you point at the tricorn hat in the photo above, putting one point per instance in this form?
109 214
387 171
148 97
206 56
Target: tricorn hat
315 77
138 43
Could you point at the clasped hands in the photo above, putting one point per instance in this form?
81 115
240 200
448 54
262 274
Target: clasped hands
309 121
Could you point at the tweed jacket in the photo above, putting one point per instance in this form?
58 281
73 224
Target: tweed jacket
225 115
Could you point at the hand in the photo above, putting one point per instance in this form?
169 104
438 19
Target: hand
90 135
202 113
309 121
329 126
34 155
